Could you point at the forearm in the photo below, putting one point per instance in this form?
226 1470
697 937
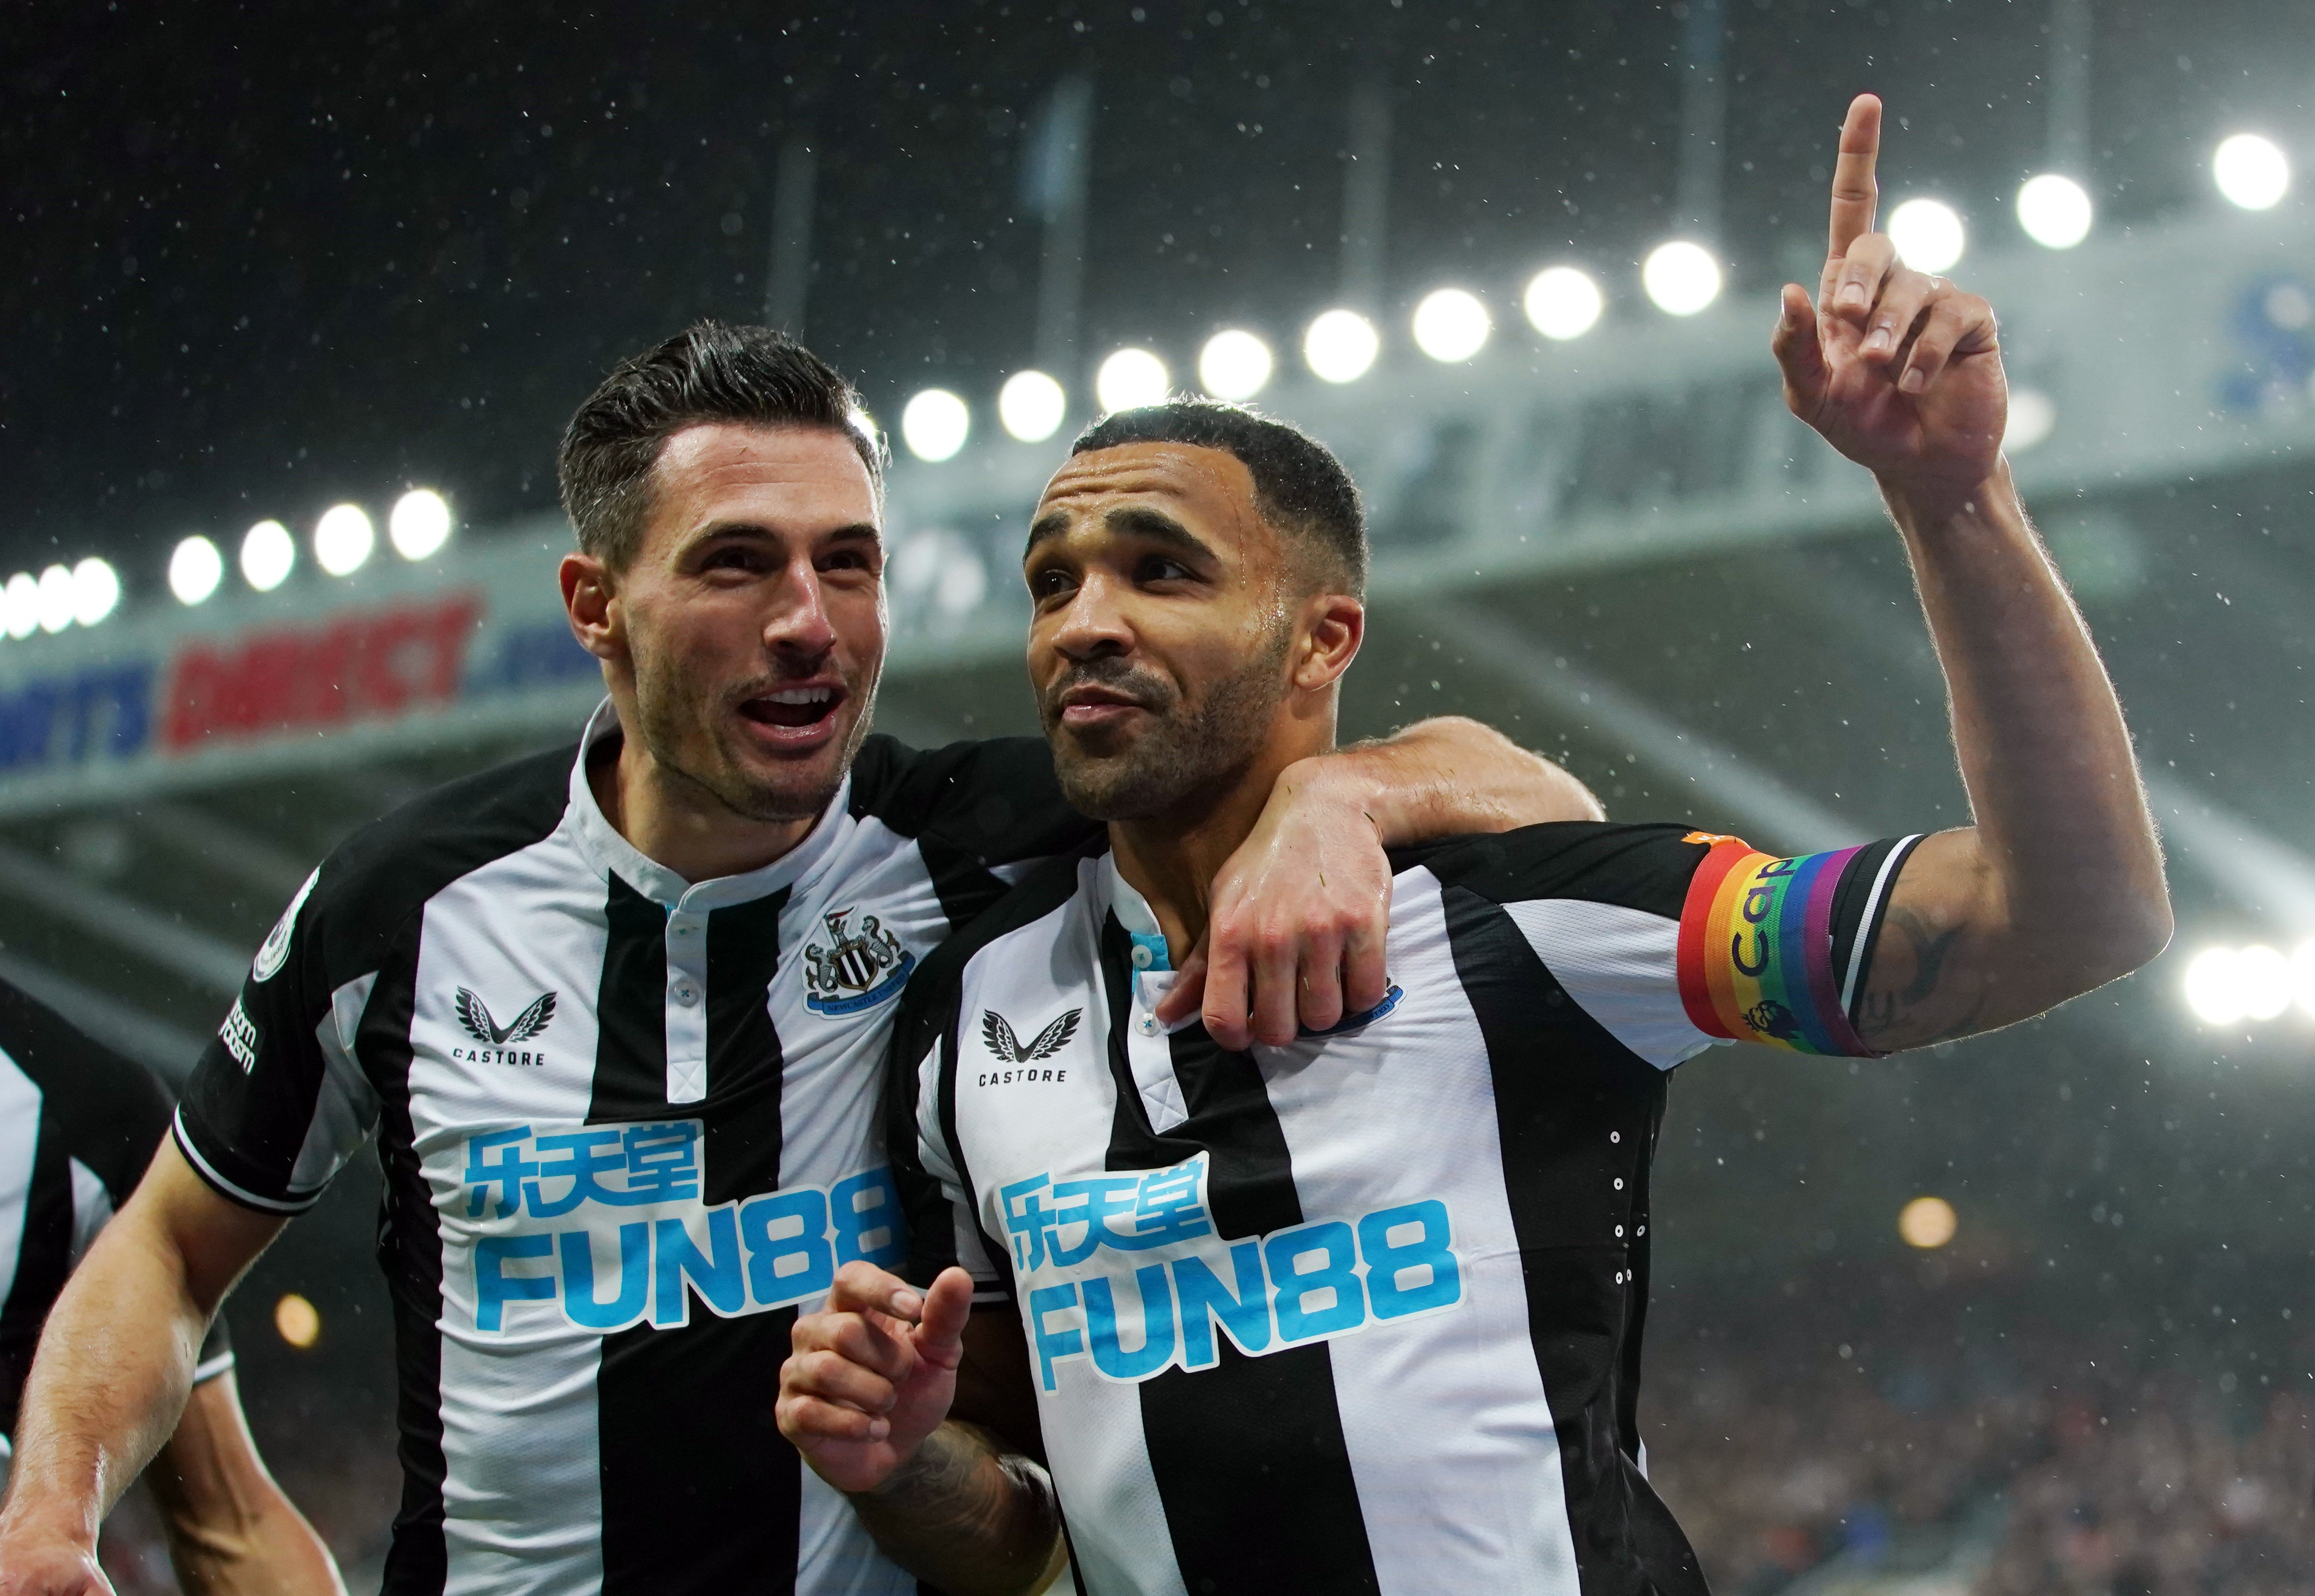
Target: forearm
1450 776
231 1527
965 1516
107 1385
2062 828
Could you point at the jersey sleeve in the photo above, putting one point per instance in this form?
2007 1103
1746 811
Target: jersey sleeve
1775 949
1673 940
278 1102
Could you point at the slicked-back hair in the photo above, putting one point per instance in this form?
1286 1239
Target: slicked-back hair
1299 486
710 372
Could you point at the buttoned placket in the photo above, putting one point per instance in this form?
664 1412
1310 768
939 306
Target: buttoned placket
688 906
1148 1043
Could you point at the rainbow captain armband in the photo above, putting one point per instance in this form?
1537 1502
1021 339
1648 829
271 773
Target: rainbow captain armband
1771 950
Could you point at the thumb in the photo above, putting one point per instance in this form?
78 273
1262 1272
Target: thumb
1795 344
940 1327
1182 999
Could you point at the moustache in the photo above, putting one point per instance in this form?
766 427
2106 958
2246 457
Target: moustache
1147 688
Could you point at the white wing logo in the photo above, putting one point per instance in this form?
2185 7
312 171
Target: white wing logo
275 953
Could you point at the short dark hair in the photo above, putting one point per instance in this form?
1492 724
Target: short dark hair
708 372
1299 485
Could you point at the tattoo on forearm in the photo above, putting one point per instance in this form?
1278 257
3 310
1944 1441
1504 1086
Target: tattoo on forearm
1885 1011
965 1512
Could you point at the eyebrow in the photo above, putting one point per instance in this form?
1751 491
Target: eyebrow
1132 521
859 531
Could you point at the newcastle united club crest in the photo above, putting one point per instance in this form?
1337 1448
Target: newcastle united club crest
856 970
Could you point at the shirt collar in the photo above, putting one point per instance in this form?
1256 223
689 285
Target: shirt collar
613 855
1141 922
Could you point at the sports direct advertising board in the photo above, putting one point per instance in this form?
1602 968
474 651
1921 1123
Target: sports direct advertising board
395 656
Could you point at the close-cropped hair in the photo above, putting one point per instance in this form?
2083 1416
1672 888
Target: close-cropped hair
1299 488
708 373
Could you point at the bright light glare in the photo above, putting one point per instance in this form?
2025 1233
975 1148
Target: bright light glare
20 606
1032 406
342 539
2263 980
1233 364
935 424
2033 416
268 552
1682 278
1130 379
1562 303
58 598
1927 234
2054 210
420 524
1340 346
195 569
2302 977
2251 172
96 590
1927 1222
297 1321
1451 326
2213 989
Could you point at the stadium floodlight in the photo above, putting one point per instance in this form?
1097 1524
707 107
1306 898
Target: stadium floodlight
1681 277
2032 417
864 424
420 524
195 569
935 424
2263 980
2251 172
20 606
2213 989
57 599
1562 303
1233 364
96 590
2054 210
2302 977
1928 1223
1031 406
342 539
1340 346
1927 234
1130 379
1451 326
268 554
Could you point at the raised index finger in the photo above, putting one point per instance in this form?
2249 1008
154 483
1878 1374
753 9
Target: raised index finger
1854 191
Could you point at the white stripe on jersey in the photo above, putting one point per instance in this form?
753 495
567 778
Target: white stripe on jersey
1617 964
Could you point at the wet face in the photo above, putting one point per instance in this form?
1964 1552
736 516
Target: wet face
1165 617
749 627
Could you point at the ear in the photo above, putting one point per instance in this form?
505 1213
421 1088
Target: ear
590 600
1334 624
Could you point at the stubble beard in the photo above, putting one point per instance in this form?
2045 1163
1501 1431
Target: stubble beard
1186 752
684 730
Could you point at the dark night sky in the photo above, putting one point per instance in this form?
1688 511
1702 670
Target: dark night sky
265 257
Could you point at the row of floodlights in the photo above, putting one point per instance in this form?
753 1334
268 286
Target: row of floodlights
343 541
1451 326
2226 986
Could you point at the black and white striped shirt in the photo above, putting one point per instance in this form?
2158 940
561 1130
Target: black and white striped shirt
1362 1313
78 1124
628 1123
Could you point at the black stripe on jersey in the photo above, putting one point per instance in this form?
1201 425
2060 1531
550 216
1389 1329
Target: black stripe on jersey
1577 1115
1302 1530
1641 866
409 1254
709 1499
95 1106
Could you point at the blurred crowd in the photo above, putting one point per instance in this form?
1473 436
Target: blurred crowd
2042 1457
